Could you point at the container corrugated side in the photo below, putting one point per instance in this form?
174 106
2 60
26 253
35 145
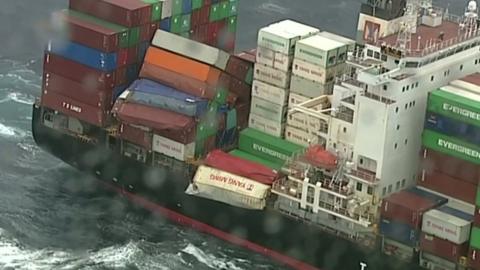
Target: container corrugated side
274 59
453 128
300 137
446 226
309 88
452 166
312 72
451 146
456 106
269 92
228 188
84 55
123 12
268 110
400 232
265 125
474 258
475 237
294 99
443 248
192 49
247 156
267 146
183 65
243 167
154 94
450 186
318 50
172 148
272 76
136 135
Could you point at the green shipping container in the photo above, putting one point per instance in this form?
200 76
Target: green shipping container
475 238
208 123
221 96
477 200
256 159
266 146
454 106
249 77
177 7
185 34
225 7
451 146
232 24
134 36
156 9
122 32
216 12
232 8
180 23
196 4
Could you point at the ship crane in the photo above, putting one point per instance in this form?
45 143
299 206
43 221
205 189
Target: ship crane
408 25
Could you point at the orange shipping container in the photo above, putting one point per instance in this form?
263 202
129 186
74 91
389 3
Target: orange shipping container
182 65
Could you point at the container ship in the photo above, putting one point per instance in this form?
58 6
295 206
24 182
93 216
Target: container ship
316 150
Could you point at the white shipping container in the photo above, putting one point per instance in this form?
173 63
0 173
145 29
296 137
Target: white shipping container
172 148
446 226
272 76
300 137
268 110
167 7
274 59
294 98
267 126
228 188
269 92
318 50
192 49
350 43
309 88
313 72
282 36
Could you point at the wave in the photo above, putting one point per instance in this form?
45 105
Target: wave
21 98
210 260
6 131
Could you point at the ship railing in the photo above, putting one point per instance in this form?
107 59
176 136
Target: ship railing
378 98
287 188
366 176
344 212
340 188
344 114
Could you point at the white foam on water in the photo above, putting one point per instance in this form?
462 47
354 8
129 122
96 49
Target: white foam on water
21 98
209 259
6 131
272 8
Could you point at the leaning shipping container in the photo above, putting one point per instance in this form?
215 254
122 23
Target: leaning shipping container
448 223
443 248
400 232
450 186
451 146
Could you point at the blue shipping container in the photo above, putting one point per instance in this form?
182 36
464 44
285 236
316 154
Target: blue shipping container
452 128
132 72
400 232
142 51
231 119
165 24
226 137
439 200
456 213
158 95
84 55
187 6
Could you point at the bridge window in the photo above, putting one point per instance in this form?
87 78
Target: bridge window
389 188
369 190
461 67
397 186
411 64
359 186
376 55
432 78
384 57
403 182
369 53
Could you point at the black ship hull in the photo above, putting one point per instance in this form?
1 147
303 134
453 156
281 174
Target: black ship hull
292 242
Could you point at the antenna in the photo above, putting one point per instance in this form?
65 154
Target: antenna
407 26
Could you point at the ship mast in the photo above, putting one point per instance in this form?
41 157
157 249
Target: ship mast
470 19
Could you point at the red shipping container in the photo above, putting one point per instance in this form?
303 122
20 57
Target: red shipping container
449 186
243 112
406 207
215 30
195 19
473 78
132 55
176 126
474 258
443 248
147 31
124 12
177 81
136 135
79 110
238 67
454 167
249 56
238 166
83 74
90 34
81 92
241 89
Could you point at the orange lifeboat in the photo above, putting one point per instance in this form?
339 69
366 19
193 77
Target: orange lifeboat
318 156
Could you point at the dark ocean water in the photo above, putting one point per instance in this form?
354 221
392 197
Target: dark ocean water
54 217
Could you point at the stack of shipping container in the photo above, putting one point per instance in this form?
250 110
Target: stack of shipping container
96 55
401 221
444 238
212 22
273 69
315 65
191 98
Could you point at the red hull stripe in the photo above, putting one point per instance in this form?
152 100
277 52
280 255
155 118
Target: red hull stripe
202 227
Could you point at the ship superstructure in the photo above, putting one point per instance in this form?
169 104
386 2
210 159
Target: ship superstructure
325 132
